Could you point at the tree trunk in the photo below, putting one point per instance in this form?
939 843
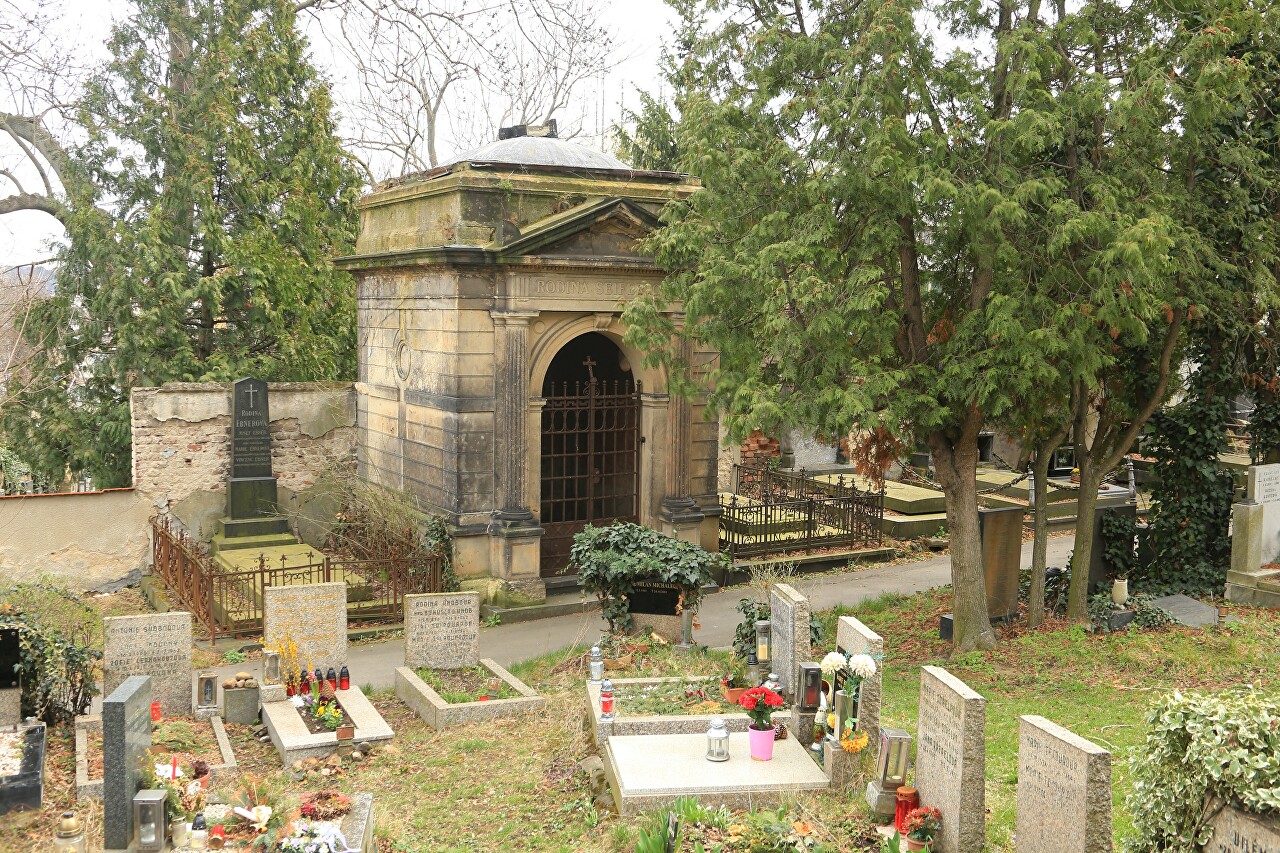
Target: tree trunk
1040 541
1086 511
957 469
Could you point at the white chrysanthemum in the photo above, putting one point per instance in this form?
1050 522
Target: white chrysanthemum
833 663
863 666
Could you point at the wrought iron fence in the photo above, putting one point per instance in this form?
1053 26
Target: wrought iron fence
776 512
230 603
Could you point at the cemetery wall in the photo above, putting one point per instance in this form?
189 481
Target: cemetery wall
182 442
82 538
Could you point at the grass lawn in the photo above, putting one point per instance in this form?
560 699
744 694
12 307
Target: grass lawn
515 784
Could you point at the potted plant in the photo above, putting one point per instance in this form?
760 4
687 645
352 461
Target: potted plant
922 825
760 703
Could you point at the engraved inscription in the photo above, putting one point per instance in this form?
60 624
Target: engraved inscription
250 430
1266 483
157 645
441 631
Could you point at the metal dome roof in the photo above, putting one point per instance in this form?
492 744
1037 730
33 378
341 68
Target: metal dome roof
541 151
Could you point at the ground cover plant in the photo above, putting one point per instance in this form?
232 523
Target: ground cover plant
471 684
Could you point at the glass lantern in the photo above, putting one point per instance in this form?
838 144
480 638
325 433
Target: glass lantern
595 666
270 667
810 687
844 710
717 741
764 639
70 835
207 690
752 674
149 818
895 758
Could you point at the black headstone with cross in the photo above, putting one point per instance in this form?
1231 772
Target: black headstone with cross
251 492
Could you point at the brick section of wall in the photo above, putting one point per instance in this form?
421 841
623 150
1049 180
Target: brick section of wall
182 436
759 448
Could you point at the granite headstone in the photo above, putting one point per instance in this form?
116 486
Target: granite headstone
1064 790
855 638
442 630
251 492
951 759
313 615
126 736
789 633
154 644
1235 831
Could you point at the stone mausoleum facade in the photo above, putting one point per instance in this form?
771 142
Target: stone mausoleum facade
495 382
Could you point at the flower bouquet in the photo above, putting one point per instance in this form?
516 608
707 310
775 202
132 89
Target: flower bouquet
922 825
760 703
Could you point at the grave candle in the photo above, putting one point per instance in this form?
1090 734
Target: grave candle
606 700
149 814
753 670
908 798
332 678
344 678
717 741
199 835
764 631
70 838
595 666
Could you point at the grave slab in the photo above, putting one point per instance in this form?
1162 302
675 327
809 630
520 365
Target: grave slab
951 759
442 630
1236 831
25 788
651 771
789 616
313 615
153 644
294 741
439 714
126 735
1064 790
1185 610
855 638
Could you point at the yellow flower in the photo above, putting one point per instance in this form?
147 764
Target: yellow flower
854 744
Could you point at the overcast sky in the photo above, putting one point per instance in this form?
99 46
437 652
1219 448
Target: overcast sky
640 26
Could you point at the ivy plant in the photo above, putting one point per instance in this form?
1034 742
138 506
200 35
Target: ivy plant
1201 750
57 659
611 560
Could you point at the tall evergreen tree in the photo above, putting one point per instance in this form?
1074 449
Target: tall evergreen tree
210 195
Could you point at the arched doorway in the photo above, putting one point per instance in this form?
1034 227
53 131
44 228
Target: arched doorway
590 444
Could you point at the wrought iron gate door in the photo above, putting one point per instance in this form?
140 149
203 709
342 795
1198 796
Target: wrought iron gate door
590 462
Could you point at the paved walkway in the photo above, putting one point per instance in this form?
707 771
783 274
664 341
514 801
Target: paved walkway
375 664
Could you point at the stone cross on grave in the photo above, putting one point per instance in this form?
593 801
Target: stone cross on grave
589 363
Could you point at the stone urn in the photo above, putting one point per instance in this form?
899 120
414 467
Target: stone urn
1120 592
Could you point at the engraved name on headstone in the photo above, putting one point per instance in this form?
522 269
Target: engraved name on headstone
250 430
855 638
951 759
1064 790
154 644
1235 831
315 617
442 630
789 634
126 736
1264 488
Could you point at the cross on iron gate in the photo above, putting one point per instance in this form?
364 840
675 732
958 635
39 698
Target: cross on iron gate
590 363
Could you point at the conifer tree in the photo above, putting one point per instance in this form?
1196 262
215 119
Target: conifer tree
208 199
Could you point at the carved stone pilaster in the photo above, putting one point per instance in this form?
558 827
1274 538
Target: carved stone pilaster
511 406
680 513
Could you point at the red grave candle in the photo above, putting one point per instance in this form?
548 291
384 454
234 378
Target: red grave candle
908 799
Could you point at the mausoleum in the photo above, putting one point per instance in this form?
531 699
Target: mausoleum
495 381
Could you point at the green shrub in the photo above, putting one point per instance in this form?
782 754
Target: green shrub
1202 748
610 560
56 635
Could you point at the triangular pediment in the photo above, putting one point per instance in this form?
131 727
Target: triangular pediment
610 228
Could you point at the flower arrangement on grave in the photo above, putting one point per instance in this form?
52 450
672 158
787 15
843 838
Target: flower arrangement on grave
184 786
325 805
923 824
760 703
257 814
310 838
328 713
290 672
852 741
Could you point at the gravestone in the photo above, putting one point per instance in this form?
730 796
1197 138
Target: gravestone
655 607
313 615
951 759
1255 540
154 644
252 490
126 736
1064 790
789 635
1101 569
10 677
1235 831
1001 532
855 638
442 630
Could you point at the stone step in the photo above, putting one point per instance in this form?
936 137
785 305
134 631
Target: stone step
220 543
235 528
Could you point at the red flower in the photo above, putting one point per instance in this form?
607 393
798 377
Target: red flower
748 701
